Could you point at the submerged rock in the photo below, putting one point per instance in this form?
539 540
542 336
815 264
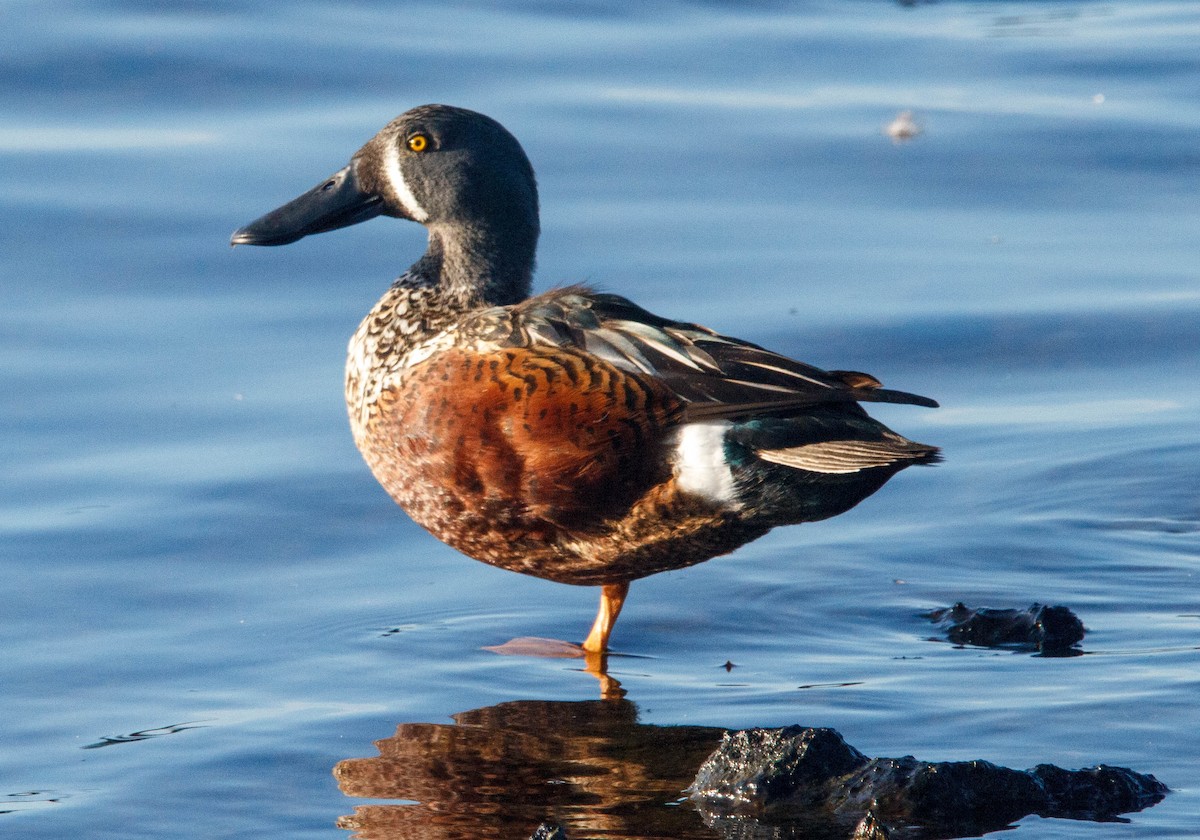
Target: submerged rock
812 776
1048 629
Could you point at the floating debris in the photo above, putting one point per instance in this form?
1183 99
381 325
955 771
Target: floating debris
903 128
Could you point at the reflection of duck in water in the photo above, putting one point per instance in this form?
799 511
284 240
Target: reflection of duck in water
573 435
592 768
500 771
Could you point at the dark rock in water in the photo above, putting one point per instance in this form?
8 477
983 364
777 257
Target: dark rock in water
951 794
1097 793
1048 629
755 769
812 776
549 831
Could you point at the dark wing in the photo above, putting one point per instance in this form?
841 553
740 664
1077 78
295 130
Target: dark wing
715 375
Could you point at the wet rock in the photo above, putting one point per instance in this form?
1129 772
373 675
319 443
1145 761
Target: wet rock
812 776
756 770
549 831
1048 629
1100 792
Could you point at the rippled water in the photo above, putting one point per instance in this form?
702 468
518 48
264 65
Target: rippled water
209 604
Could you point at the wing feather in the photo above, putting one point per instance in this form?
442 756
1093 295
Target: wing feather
841 457
713 375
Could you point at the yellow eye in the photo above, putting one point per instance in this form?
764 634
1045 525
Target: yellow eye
418 143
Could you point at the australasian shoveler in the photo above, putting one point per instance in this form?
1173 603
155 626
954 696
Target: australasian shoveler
571 435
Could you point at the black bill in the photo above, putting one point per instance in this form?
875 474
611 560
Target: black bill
336 202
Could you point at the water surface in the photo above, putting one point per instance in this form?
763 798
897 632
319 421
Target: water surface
209 604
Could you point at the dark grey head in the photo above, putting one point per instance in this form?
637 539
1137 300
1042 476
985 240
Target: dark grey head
459 173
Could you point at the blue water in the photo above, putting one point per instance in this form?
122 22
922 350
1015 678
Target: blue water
203 583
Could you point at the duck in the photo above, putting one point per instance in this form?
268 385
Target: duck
569 435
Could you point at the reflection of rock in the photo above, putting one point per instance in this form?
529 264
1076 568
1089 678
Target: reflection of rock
1048 629
811 777
501 771
534 770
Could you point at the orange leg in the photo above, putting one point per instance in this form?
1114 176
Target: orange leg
612 597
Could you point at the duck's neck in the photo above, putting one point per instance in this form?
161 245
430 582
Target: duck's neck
473 266
462 271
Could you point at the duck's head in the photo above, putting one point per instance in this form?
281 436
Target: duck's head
458 172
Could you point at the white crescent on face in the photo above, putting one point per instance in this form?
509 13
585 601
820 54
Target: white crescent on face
400 188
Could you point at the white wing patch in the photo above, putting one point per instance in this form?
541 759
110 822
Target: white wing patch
700 465
400 187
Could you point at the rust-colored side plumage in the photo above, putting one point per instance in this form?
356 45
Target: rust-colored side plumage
545 460
560 438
